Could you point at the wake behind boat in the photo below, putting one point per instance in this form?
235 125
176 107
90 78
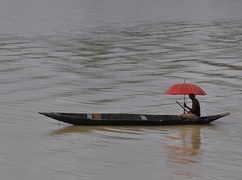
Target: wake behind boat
117 119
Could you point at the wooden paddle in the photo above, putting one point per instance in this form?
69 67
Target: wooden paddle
182 106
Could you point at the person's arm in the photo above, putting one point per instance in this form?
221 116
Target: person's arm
185 105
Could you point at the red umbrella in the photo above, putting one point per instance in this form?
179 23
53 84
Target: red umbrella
184 89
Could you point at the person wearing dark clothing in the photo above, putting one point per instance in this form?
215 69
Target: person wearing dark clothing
195 109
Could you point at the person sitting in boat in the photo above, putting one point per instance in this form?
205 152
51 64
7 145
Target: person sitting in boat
194 111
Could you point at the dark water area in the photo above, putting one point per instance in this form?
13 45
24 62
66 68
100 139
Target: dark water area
118 57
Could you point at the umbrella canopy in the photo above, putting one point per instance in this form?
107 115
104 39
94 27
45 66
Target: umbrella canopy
185 89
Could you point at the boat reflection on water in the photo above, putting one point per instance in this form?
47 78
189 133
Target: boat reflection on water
77 129
183 149
188 146
179 145
110 132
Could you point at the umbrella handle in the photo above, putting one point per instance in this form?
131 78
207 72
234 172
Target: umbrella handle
184 101
182 106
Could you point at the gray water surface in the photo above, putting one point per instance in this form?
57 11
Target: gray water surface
118 57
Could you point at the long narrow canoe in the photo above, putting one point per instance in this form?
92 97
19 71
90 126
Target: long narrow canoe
128 119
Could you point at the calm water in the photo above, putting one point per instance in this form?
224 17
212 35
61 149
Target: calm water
118 56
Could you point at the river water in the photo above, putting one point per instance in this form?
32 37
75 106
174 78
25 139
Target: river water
113 56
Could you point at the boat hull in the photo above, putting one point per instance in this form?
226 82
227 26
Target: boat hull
128 119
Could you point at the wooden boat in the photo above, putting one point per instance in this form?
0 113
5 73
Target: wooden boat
129 119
